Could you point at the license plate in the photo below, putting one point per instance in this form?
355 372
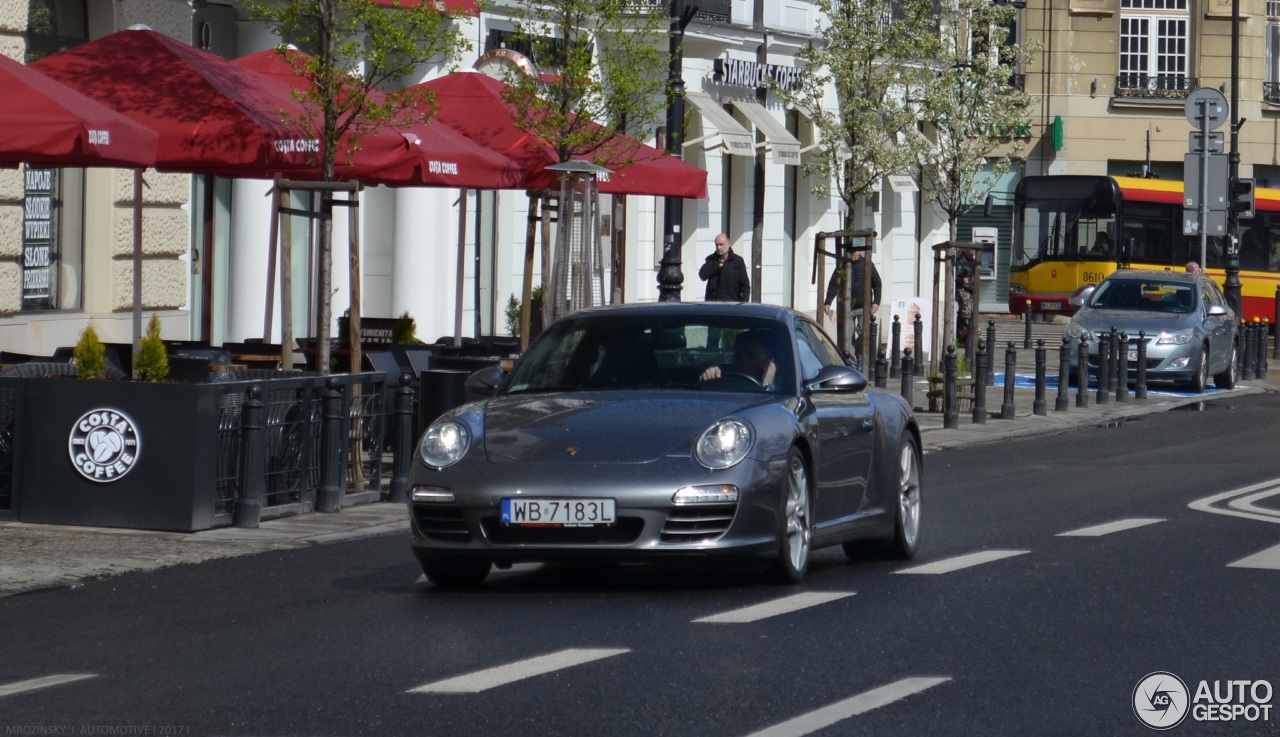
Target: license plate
1050 306
1133 355
558 512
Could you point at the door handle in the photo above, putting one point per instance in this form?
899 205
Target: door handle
868 424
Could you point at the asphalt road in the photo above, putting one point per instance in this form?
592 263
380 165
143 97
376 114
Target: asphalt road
1003 625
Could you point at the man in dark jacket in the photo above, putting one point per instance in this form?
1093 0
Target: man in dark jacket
725 274
857 269
965 272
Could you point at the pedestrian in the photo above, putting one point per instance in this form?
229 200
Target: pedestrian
725 274
856 268
965 272
1193 267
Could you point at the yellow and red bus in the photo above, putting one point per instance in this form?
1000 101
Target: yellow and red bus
1073 230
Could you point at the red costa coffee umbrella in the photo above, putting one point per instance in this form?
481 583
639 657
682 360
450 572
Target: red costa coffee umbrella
473 104
210 114
432 155
45 123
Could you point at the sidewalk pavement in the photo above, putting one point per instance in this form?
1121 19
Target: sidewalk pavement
35 557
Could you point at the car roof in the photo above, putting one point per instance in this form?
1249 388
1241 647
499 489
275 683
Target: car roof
744 309
1160 274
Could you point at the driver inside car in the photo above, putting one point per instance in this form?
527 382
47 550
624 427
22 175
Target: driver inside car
751 356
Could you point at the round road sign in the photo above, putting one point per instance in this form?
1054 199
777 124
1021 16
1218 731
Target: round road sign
1206 109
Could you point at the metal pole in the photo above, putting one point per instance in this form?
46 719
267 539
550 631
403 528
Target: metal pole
670 277
1231 287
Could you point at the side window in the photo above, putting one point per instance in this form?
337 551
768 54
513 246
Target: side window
815 350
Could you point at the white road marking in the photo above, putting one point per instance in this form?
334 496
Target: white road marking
512 672
31 685
851 707
964 561
785 605
1243 507
1269 558
1110 527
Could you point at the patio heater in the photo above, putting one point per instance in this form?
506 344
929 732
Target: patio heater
577 270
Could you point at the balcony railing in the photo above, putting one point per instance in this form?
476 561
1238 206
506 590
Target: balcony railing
714 11
1154 86
1271 92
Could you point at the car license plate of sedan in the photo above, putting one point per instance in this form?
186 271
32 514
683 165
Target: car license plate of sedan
558 512
1050 306
1133 354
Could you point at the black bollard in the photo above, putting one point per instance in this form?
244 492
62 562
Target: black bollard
1240 341
1122 369
908 379
895 347
1026 337
329 493
253 461
881 370
1082 373
1039 407
950 412
980 373
403 450
1260 349
1250 338
1262 354
991 353
918 328
1063 402
1140 381
1113 360
1007 410
875 335
1103 395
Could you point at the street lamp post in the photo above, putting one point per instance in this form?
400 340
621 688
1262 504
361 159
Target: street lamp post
1231 287
669 275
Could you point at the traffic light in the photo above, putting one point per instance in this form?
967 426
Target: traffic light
1242 198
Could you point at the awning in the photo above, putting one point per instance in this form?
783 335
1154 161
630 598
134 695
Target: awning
786 149
736 139
454 7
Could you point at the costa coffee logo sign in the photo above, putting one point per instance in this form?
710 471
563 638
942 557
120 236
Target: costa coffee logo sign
104 445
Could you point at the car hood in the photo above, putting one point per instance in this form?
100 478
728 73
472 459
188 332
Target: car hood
1131 321
610 427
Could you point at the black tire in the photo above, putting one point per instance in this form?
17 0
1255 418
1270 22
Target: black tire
1228 378
1201 379
795 523
463 573
908 482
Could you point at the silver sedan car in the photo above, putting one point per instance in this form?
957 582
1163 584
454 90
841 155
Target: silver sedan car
691 432
1189 330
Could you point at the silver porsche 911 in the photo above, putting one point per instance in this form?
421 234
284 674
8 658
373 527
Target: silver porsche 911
672 431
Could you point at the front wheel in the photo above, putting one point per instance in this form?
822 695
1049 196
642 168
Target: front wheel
795 532
1228 378
1201 379
906 527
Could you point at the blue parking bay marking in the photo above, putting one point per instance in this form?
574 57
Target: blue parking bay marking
510 673
785 605
1110 527
850 707
9 689
947 565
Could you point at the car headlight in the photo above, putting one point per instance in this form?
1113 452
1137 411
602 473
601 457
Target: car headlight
1176 337
444 444
723 444
1075 330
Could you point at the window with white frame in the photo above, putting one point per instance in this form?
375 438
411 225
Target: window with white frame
1154 48
1271 84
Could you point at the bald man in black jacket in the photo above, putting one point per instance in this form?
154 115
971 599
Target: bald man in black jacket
725 274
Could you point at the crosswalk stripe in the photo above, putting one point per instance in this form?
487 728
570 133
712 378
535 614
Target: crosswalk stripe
512 672
1269 558
1110 527
850 707
963 561
785 605
12 688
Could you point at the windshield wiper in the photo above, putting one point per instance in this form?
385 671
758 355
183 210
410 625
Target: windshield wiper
545 389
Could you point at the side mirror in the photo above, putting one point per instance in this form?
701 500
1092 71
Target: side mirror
484 383
838 379
1081 295
1217 311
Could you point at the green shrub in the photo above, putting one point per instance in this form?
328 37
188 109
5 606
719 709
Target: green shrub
513 317
90 355
152 361
405 330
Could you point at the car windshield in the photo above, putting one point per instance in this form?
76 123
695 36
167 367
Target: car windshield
642 352
1145 295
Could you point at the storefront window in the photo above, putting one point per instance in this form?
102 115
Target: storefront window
53 199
